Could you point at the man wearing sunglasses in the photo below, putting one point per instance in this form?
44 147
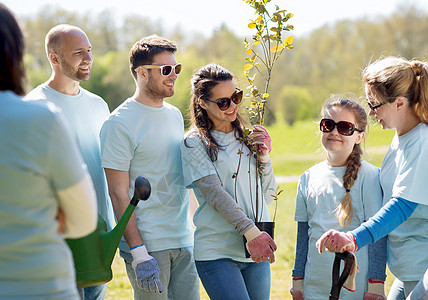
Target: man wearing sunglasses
143 137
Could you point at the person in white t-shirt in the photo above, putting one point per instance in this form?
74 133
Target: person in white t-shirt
397 94
70 54
46 193
224 182
142 137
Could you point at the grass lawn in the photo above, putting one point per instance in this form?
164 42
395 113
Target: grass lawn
295 149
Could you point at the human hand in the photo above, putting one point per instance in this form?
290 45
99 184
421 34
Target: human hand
146 270
260 245
336 241
375 290
296 290
262 141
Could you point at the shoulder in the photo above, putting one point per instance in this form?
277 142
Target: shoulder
192 138
38 93
93 97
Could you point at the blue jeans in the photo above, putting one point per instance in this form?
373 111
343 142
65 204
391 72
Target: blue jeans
401 289
225 279
97 292
177 274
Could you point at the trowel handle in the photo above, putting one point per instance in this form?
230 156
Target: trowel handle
141 191
337 281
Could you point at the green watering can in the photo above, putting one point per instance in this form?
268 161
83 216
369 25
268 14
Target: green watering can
94 253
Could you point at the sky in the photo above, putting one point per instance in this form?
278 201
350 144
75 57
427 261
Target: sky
205 16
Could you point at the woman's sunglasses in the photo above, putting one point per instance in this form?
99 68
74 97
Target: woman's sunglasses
343 127
166 70
224 103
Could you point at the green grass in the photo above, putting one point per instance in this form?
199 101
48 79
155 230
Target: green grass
294 150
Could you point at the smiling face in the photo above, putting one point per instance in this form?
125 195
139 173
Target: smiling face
338 146
383 114
222 120
75 56
157 86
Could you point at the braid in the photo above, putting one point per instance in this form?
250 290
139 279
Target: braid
345 211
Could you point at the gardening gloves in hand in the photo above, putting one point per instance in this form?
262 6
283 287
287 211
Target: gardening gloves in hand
336 241
262 141
297 288
260 245
375 291
146 270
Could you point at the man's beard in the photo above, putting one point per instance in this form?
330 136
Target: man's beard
74 74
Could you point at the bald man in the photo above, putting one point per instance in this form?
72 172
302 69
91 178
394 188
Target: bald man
70 55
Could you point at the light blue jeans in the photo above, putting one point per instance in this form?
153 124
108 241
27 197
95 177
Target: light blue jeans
420 292
97 292
401 289
225 279
177 273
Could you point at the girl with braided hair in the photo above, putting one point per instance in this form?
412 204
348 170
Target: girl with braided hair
397 94
341 192
221 171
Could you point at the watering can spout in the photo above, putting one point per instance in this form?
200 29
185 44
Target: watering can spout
94 253
110 240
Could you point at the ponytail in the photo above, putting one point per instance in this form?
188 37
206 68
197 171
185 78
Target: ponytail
420 106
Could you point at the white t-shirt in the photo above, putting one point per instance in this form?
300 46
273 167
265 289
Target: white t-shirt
38 159
145 141
85 114
320 190
214 237
404 174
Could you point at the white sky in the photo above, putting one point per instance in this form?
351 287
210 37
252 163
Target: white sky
207 15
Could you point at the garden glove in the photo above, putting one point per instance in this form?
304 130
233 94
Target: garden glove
262 141
336 241
146 270
375 290
297 288
260 245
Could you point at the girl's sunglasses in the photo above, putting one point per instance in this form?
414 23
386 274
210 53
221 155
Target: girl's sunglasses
166 70
224 103
343 127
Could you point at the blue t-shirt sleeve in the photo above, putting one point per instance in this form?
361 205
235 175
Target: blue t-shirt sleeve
389 217
301 249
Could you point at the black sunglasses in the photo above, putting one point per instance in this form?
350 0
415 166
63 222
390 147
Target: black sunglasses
374 107
224 103
343 127
166 70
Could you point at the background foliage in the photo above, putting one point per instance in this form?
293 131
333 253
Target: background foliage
328 60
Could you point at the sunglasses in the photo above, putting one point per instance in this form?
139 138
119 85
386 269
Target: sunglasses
224 103
166 70
374 107
343 127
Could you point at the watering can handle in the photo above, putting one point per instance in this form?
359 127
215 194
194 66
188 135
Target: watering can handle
141 191
339 281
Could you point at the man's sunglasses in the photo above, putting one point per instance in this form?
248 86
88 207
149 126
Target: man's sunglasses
224 103
343 127
166 70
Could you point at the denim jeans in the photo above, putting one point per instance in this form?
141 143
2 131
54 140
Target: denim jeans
401 289
177 273
225 279
97 292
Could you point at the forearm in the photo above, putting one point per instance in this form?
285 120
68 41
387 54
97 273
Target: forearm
377 259
269 186
301 249
389 217
220 200
118 182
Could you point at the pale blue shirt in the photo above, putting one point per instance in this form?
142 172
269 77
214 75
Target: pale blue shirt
404 174
37 159
145 141
214 237
320 190
85 114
